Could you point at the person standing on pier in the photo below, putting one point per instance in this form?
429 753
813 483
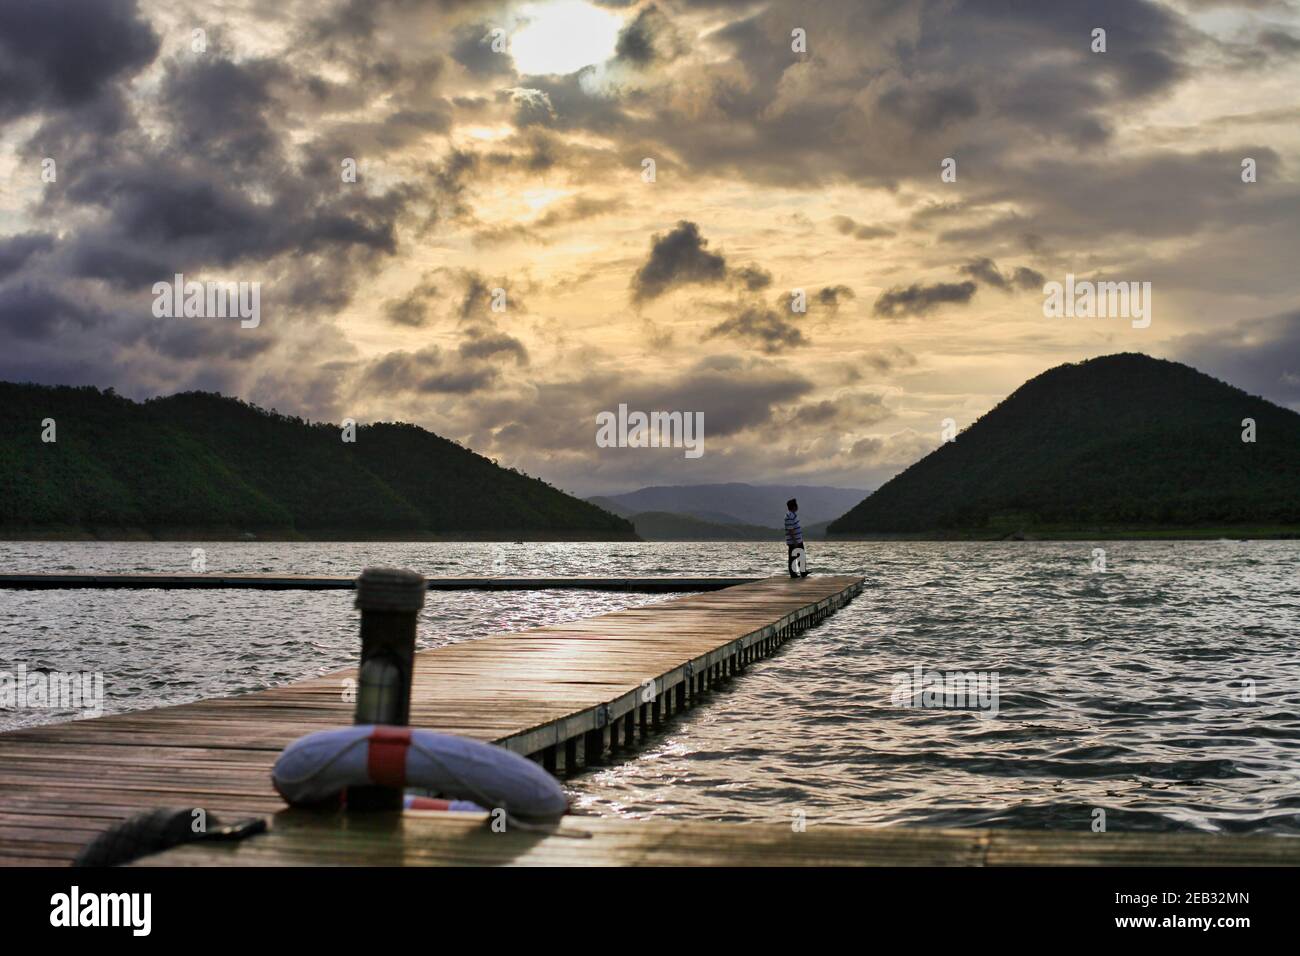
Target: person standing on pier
798 562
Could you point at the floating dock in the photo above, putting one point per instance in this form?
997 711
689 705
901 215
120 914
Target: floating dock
303 582
566 695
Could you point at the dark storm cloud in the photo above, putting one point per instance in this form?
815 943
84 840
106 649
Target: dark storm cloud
533 107
866 447
889 87
1157 194
634 41
349 18
219 109
463 296
986 270
817 414
532 150
856 410
36 312
179 217
832 296
56 54
484 343
476 297
648 38
426 372
562 103
928 110
450 180
413 309
577 209
919 299
196 341
472 48
761 327
753 278
677 258
1260 356
98 253
827 299
16 250
887 360
846 226
735 395
204 173
1142 38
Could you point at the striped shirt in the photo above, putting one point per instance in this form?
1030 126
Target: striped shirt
793 533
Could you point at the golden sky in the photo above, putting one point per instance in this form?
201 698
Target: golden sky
502 146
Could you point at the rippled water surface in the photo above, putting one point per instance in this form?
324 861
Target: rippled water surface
1164 691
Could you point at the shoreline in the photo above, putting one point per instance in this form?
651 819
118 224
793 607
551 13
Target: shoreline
1239 533
1231 532
228 535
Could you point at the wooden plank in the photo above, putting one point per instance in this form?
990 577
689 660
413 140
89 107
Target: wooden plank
430 839
302 582
526 691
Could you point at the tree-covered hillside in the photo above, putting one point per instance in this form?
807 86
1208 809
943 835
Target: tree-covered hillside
199 461
1123 440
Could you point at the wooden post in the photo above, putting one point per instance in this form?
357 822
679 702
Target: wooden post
629 727
389 600
571 756
593 747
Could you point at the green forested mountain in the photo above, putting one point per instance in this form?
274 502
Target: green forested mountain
1122 441
199 462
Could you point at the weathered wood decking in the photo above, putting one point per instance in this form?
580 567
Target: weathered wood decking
427 839
305 582
565 693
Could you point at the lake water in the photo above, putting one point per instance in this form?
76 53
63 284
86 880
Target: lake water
1163 692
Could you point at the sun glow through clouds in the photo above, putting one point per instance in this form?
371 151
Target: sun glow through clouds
563 37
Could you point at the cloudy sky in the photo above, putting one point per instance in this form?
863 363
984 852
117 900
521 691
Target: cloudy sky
501 153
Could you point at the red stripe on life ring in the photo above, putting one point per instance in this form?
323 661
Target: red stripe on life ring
428 803
386 760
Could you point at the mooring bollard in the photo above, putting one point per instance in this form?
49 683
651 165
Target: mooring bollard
389 600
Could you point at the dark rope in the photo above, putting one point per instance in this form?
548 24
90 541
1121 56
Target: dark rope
156 830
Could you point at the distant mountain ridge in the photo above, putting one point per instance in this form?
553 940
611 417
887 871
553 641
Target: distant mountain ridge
198 464
735 502
663 526
1121 441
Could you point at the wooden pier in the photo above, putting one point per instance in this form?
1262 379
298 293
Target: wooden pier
304 582
298 838
567 695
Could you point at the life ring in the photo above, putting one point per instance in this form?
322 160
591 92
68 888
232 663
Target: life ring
320 766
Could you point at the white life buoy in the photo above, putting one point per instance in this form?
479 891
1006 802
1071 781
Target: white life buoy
320 766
